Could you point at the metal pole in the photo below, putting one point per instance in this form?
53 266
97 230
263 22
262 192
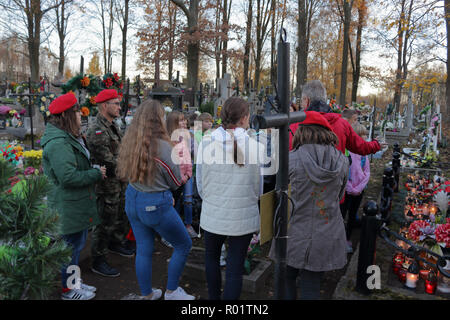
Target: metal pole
30 111
367 245
283 72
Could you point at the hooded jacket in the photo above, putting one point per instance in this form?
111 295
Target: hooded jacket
348 139
359 175
229 192
67 165
316 233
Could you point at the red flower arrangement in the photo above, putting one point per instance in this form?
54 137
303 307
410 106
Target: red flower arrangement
414 231
442 233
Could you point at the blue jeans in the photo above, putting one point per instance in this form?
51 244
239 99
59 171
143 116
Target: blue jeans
236 254
188 191
77 241
149 213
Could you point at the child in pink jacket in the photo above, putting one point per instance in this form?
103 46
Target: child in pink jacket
181 138
359 175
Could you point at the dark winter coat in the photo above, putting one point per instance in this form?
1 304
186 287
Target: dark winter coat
73 179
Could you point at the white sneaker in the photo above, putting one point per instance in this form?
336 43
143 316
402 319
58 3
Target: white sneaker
192 232
78 294
157 293
178 294
86 287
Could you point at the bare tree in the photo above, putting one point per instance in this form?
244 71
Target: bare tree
306 11
122 15
248 41
263 16
27 14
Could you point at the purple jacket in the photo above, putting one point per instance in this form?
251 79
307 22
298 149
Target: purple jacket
358 177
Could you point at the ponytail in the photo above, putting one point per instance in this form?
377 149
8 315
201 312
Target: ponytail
233 110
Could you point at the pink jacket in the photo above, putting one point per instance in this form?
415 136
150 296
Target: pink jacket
358 177
183 151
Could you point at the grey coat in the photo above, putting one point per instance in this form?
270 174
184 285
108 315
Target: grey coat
316 233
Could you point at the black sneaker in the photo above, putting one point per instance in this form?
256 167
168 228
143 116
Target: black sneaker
124 252
104 269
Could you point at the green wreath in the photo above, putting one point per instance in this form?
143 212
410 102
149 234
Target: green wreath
42 100
92 85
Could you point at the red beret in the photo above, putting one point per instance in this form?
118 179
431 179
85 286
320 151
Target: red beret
63 103
313 117
106 95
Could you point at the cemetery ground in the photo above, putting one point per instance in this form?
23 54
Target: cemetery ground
337 284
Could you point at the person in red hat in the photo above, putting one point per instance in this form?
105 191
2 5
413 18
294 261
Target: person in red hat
104 138
316 240
66 162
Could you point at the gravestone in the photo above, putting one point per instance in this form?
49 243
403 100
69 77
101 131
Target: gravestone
224 91
409 111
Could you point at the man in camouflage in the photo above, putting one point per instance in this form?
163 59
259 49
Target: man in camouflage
103 139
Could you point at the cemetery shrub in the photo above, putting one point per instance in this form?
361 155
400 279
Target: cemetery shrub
31 255
207 107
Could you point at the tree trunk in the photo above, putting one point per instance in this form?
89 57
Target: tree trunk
124 40
398 75
62 37
193 50
273 72
226 18
447 23
357 71
347 20
302 50
247 46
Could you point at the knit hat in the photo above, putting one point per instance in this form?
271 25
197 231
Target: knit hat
106 95
63 103
313 117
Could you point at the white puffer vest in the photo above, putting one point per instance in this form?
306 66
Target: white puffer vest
230 193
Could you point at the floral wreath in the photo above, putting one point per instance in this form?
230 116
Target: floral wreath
92 85
42 100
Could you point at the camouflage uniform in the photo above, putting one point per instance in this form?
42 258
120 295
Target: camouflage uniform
103 139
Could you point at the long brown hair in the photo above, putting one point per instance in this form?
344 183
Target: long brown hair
313 134
139 146
173 121
233 110
67 121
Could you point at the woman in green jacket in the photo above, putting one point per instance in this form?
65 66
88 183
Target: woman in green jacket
66 162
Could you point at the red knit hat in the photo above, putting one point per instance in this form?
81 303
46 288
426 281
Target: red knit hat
106 95
313 117
63 103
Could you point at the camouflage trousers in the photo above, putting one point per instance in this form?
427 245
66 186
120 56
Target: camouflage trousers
114 225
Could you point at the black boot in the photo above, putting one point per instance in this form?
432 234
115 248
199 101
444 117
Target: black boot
122 250
102 267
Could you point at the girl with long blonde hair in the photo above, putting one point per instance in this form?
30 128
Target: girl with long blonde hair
145 161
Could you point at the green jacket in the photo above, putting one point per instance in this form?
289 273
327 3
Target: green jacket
67 166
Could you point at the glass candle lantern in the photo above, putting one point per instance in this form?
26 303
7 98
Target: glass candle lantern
402 275
412 275
423 273
397 263
431 282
